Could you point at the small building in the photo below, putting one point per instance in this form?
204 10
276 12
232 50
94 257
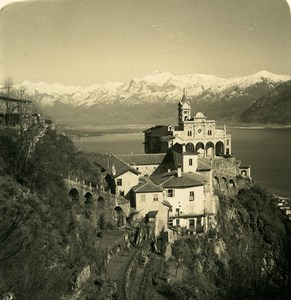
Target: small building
185 193
245 170
147 197
119 176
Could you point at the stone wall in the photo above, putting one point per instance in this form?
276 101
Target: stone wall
226 176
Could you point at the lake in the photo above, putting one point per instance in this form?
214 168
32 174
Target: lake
267 150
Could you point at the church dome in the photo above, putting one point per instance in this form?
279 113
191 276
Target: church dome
199 115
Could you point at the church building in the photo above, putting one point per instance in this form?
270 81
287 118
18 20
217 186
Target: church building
196 132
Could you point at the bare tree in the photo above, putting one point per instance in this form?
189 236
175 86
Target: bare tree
18 221
8 87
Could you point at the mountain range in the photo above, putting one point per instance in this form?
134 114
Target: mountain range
154 98
274 107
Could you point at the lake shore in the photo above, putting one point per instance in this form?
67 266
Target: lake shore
94 131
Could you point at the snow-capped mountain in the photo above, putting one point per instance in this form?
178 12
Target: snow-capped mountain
218 97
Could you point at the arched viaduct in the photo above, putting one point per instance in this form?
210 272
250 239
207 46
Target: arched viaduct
93 197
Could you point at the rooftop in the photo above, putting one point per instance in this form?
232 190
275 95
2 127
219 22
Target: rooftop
152 214
146 185
142 159
166 138
111 163
171 180
157 131
203 165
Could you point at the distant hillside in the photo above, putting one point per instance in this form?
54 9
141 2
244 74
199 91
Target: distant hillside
152 99
275 107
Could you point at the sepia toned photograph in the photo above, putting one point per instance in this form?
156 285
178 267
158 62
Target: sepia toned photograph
145 149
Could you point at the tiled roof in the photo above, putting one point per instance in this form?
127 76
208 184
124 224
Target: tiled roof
244 166
142 159
152 214
157 131
153 128
166 203
146 185
166 138
203 165
187 216
171 180
109 162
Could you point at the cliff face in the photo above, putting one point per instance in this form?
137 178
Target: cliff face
273 108
247 256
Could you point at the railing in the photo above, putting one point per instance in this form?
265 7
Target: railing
88 183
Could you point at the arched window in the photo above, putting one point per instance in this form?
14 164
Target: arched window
209 149
200 147
231 183
244 173
190 147
209 132
216 182
219 148
223 184
119 216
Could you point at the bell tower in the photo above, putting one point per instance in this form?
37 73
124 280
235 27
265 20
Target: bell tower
184 111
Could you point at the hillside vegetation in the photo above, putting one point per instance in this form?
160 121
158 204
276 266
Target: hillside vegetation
248 256
44 238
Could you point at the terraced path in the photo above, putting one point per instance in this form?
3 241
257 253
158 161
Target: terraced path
117 268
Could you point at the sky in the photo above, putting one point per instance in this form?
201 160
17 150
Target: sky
84 42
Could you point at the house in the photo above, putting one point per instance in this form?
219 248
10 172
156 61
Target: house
185 193
148 197
119 176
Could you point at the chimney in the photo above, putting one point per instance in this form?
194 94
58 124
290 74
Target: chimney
183 148
179 171
113 170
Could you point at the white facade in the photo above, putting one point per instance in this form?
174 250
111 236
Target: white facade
190 163
148 201
186 203
125 182
202 136
152 201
